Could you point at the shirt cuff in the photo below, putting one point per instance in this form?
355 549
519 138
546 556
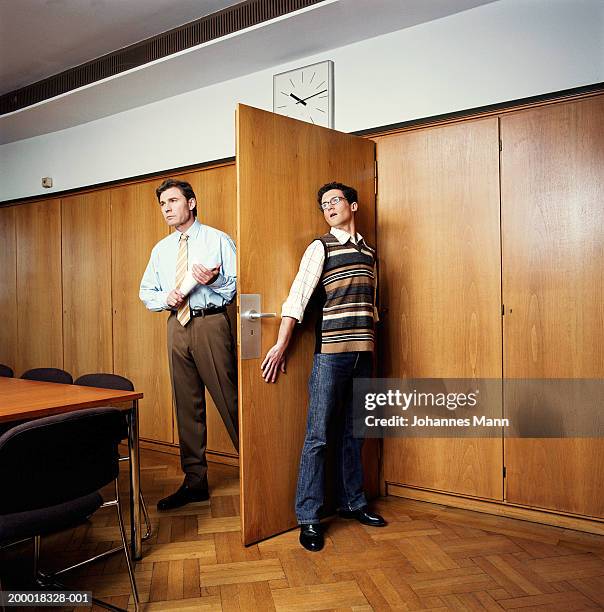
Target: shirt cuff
219 282
163 297
293 312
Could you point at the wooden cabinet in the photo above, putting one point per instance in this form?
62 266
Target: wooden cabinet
39 294
439 257
86 276
8 286
446 274
552 205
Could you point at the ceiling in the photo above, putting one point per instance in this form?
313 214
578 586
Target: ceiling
268 44
40 38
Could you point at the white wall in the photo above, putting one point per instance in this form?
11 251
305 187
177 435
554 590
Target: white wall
502 51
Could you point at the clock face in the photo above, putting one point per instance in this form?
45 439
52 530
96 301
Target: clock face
306 93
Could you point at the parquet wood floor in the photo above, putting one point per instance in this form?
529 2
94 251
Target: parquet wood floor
429 557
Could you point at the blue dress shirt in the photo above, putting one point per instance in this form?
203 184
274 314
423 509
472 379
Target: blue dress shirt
207 246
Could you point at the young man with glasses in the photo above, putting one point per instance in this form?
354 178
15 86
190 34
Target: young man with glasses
340 267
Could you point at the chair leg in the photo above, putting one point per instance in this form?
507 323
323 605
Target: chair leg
36 555
50 580
40 577
149 530
125 543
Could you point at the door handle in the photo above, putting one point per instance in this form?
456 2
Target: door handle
250 339
252 315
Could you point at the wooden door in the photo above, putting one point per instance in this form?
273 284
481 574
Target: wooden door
552 196
8 287
439 247
86 251
139 335
281 163
39 295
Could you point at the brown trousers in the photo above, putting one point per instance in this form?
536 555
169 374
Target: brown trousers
201 355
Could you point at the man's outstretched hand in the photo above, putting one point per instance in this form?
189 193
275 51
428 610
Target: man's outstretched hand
273 363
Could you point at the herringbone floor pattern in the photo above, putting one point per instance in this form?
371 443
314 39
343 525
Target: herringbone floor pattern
429 557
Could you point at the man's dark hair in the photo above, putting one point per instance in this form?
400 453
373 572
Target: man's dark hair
350 193
185 189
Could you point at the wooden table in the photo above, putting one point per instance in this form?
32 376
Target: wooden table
28 399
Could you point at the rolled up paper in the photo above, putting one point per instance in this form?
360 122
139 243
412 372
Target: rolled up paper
188 283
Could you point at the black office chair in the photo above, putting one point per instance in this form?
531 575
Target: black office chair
54 375
5 371
121 383
63 461
105 381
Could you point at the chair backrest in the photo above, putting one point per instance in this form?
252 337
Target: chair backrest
53 460
55 375
105 381
6 371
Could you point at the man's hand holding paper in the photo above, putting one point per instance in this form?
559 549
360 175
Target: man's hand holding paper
203 275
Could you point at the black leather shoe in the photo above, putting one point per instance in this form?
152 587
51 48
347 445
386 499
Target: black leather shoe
364 516
311 537
184 495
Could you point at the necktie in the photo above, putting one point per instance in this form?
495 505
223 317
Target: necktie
184 314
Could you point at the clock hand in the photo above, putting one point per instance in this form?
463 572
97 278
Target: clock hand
295 97
309 97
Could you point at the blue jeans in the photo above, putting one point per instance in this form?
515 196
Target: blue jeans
330 390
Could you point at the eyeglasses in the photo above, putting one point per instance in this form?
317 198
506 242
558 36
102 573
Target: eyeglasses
333 202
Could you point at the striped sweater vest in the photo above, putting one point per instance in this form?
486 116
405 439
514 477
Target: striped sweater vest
346 295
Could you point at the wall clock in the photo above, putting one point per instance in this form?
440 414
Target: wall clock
306 93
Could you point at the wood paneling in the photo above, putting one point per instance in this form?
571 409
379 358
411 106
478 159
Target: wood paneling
500 508
280 165
139 335
86 248
39 295
553 288
439 258
8 287
216 191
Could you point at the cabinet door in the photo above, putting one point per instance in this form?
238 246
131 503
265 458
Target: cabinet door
8 287
552 194
39 320
439 257
139 335
281 163
86 251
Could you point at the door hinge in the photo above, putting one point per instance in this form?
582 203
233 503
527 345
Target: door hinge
500 145
504 472
375 184
502 309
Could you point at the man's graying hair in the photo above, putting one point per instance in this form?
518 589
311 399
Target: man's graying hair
185 189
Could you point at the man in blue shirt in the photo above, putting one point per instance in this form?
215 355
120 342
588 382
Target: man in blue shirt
201 350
